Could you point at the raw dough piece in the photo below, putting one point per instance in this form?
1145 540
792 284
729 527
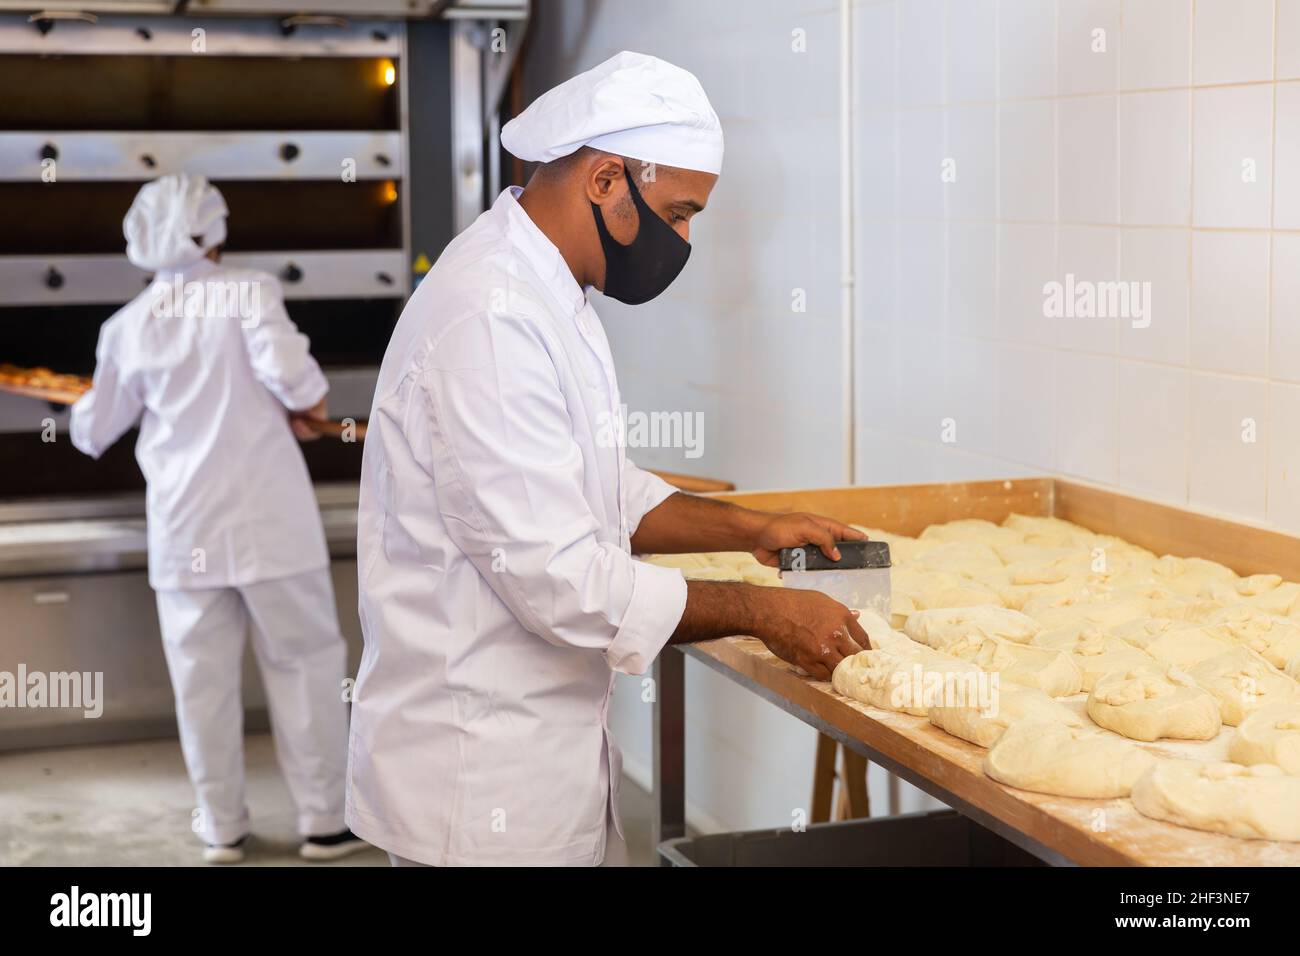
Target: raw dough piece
1243 682
1276 639
1191 576
901 682
1094 651
1281 600
1270 735
1051 671
917 589
1052 532
1175 642
939 627
1050 757
1018 595
972 529
1090 605
1259 802
958 557
885 638
1153 701
1008 702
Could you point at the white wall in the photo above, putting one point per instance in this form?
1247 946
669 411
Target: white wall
1124 164
1117 164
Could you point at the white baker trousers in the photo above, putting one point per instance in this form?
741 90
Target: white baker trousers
302 657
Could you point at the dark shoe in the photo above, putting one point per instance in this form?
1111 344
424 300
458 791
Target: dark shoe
332 847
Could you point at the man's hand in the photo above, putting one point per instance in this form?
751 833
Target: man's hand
792 531
810 630
301 430
805 628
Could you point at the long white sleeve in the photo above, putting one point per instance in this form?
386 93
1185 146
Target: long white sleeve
280 354
111 407
509 480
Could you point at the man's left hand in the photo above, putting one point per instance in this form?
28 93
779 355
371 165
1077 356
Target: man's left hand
793 530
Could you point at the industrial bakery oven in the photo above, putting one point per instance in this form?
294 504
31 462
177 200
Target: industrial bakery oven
311 122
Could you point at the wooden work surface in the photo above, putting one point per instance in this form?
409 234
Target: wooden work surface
1092 832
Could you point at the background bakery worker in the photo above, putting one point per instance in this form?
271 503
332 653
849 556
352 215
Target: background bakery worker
208 364
498 590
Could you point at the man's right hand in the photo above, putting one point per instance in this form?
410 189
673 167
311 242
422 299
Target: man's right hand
808 629
804 628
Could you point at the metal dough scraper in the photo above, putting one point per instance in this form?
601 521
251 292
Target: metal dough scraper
859 579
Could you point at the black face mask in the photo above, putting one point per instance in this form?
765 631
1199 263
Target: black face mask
639 271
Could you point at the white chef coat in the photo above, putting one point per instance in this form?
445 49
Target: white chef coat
229 499
498 596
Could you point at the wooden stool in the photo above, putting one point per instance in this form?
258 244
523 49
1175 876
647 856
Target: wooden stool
853 802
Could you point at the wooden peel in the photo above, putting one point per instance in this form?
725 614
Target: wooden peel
43 384
57 396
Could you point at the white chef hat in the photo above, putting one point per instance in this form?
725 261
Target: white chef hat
631 105
166 215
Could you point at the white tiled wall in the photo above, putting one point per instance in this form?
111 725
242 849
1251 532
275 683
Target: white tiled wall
1150 141
1147 140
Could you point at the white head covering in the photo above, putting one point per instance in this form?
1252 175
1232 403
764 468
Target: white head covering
631 105
165 216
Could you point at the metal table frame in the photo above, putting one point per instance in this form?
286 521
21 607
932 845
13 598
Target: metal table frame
669 754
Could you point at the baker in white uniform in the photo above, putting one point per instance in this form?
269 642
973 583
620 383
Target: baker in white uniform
499 594
208 364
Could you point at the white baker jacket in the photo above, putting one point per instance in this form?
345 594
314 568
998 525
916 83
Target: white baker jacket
229 499
498 595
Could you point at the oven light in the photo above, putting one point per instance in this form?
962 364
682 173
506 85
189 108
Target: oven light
388 72
390 192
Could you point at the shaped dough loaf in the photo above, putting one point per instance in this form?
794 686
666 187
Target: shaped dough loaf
1090 605
885 638
1050 757
984 722
1179 643
1259 802
1242 682
1094 651
1153 701
1271 735
1051 671
1276 639
904 683
940 627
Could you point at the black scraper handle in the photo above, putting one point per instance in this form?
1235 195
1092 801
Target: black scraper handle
854 556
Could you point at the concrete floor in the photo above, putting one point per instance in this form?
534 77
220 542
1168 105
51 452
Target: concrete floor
129 805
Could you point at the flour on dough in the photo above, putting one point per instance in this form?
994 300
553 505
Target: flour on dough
939 627
1050 757
1242 682
1276 639
1271 735
904 683
1051 671
1259 802
1180 643
983 722
1089 605
1093 650
884 638
1152 701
